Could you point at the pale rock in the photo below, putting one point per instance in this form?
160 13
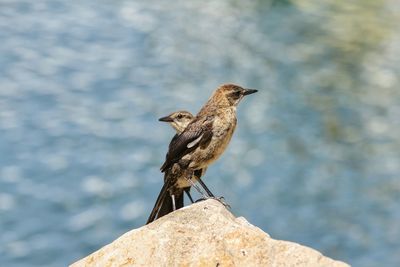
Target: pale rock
203 234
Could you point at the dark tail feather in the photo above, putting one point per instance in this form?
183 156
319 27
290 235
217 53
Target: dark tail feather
164 204
163 196
179 200
167 206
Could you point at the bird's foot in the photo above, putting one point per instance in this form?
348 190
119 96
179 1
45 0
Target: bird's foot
219 199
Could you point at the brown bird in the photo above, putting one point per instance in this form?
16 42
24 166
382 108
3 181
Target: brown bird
205 138
209 133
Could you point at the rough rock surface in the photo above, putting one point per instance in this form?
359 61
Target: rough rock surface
203 234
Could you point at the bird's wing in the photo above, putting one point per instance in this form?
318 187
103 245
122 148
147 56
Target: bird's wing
195 134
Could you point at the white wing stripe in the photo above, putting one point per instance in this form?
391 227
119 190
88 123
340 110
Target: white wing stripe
193 143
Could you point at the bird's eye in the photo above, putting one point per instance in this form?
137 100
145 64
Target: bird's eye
180 116
237 94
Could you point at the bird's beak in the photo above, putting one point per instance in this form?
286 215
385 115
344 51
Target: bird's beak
166 119
249 91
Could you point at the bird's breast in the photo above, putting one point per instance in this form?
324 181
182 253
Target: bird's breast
223 127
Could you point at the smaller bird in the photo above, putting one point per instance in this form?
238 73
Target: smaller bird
179 120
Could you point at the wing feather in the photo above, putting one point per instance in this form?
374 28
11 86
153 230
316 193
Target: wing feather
195 142
187 141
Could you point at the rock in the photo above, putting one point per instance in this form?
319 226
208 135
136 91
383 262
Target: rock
203 234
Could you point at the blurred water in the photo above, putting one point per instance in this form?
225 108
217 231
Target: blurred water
315 158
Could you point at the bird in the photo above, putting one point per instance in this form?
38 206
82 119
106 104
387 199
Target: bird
179 120
205 138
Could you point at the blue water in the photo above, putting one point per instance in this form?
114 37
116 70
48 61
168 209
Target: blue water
315 158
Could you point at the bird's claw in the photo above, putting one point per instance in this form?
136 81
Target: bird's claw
219 199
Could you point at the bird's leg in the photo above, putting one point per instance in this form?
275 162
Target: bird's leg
187 191
205 187
198 173
195 185
219 199
173 202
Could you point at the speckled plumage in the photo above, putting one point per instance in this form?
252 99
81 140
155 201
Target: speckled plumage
212 129
204 139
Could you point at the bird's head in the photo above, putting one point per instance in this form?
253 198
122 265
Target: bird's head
231 94
178 120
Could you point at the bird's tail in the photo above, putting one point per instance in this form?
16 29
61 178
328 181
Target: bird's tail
167 205
164 204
